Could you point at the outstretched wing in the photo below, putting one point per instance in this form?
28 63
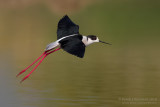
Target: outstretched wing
73 45
66 27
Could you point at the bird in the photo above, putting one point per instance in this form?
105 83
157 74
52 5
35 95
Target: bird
69 39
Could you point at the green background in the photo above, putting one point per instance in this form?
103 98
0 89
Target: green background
107 76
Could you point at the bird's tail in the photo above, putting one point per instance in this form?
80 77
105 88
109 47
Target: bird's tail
52 46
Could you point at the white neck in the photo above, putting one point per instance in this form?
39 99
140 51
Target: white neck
88 41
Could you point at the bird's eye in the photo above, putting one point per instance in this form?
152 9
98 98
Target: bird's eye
94 38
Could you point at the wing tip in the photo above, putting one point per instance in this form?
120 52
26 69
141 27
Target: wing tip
77 55
80 56
65 17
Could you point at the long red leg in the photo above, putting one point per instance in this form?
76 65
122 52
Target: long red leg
46 54
30 65
33 69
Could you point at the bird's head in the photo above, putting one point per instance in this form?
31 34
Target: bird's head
92 38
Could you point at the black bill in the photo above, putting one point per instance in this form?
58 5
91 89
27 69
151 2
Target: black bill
105 42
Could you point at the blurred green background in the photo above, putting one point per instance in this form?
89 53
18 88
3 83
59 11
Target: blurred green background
125 74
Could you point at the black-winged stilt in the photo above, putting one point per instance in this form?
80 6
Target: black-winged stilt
69 39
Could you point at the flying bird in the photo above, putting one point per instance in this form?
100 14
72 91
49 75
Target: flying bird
69 39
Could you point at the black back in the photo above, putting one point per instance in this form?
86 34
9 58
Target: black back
66 27
73 45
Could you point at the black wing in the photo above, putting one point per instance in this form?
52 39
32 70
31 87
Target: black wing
66 27
73 45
